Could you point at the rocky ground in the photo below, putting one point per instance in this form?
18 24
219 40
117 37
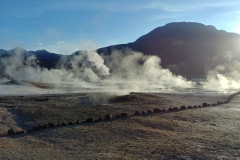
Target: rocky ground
202 133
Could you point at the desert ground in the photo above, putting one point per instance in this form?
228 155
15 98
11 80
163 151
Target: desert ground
202 133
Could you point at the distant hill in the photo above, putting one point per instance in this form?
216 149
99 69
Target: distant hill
186 48
45 59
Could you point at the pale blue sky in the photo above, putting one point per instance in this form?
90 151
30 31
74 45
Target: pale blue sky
64 26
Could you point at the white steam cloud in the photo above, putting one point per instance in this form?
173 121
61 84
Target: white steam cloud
122 71
224 77
85 66
141 70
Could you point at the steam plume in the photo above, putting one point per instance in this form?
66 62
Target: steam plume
122 71
224 77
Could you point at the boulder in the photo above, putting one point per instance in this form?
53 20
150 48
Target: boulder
70 123
34 128
225 102
149 111
108 117
143 112
20 132
51 125
123 114
219 103
190 107
195 107
183 107
199 106
170 109
118 116
40 126
204 104
175 108
90 120
156 110
99 119
137 113
12 131
45 126
29 131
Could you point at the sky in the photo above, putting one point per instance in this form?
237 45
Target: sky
65 26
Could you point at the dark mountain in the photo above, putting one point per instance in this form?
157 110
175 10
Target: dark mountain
45 58
3 52
43 54
186 47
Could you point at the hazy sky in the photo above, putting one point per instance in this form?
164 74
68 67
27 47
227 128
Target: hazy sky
64 26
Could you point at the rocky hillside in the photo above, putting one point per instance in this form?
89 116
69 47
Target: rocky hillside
186 47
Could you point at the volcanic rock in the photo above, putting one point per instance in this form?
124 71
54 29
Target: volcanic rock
90 120
108 117
123 114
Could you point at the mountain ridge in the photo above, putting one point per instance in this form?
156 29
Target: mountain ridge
186 48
